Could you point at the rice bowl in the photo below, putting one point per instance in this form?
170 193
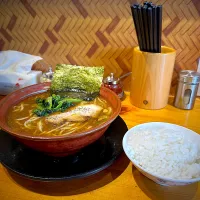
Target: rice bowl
166 153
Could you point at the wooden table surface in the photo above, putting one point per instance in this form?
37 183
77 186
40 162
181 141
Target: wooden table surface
121 181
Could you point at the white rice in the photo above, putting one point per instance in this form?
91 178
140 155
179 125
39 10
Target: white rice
166 153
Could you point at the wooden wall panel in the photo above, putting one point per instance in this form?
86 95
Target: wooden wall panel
95 32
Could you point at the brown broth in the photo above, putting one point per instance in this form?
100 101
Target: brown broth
21 118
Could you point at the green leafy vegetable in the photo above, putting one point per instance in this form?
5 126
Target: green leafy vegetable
66 103
48 103
39 100
52 104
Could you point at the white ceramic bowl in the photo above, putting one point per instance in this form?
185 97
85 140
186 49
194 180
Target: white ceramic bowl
153 126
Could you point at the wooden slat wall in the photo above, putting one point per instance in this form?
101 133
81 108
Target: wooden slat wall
95 32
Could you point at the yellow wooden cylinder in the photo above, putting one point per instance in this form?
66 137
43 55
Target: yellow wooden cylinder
151 78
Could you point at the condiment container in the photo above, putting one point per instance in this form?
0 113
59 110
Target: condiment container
47 77
187 89
151 78
114 84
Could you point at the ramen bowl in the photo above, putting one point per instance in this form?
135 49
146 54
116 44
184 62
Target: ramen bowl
56 145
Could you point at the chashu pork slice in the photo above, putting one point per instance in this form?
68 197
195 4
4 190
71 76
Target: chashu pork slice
78 114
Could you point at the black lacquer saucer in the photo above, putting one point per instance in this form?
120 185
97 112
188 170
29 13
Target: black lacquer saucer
38 166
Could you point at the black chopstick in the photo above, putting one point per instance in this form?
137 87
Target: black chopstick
150 28
155 30
159 22
145 20
142 27
137 27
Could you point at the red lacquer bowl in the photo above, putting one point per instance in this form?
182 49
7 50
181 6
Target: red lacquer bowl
56 145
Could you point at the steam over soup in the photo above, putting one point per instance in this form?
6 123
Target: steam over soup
71 118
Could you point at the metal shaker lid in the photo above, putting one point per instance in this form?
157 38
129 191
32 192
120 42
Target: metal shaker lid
189 76
111 79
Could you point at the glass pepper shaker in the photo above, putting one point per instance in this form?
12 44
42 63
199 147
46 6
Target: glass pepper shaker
187 89
114 84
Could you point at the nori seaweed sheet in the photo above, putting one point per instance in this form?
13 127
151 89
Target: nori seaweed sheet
77 81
